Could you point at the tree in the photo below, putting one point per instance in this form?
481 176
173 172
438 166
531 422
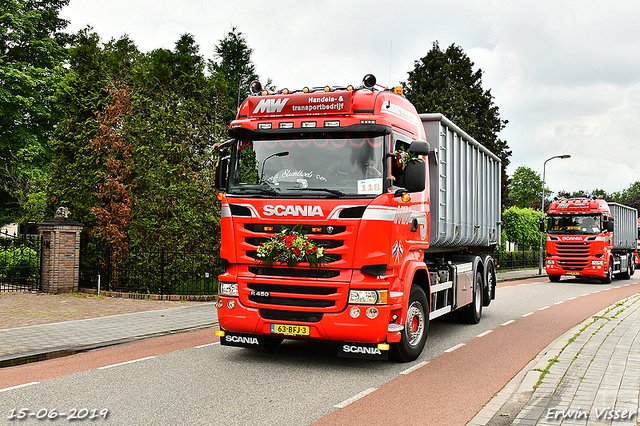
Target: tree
629 197
75 166
444 82
522 226
525 188
114 189
231 75
32 49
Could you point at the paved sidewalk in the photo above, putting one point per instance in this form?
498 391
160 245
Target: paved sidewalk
37 340
589 376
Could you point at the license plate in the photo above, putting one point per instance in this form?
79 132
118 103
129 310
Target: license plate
573 273
290 330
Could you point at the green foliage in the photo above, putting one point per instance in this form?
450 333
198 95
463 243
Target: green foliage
231 75
444 82
525 188
522 226
629 197
32 48
18 261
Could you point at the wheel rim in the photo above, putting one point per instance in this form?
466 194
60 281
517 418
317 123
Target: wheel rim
415 323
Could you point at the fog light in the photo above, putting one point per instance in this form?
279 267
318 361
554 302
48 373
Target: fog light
372 313
231 303
220 303
354 312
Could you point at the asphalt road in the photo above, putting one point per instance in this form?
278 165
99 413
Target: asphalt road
191 380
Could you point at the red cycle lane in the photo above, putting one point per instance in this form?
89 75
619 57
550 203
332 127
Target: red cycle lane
453 387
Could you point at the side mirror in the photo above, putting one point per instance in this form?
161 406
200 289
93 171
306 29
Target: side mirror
609 225
415 176
420 147
221 178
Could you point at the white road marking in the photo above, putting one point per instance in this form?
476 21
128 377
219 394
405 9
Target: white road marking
484 334
18 386
414 368
207 344
355 398
126 362
459 345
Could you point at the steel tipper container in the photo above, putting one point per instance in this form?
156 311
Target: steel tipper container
465 188
625 220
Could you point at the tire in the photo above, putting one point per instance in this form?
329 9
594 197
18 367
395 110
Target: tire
490 292
416 328
626 275
632 268
554 278
607 279
472 313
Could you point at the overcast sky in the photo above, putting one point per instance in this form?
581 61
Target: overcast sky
565 74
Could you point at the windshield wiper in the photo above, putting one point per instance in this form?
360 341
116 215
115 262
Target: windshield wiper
329 190
262 189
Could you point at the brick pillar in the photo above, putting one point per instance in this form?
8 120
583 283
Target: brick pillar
60 255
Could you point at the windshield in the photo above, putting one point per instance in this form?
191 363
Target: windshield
574 224
319 164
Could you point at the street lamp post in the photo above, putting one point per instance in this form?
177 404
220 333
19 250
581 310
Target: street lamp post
542 208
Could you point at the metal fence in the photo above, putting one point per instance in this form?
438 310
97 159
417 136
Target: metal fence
20 260
517 259
163 271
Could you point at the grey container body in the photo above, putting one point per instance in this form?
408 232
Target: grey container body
464 179
625 223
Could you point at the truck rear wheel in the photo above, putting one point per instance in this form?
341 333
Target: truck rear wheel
472 313
626 275
416 328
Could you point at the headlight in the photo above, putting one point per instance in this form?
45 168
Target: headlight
228 289
551 262
597 262
368 297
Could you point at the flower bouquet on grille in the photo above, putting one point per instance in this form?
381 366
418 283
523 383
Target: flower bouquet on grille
291 246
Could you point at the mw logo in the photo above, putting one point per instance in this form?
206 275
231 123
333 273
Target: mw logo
270 106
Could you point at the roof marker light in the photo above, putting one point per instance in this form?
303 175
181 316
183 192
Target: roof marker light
305 90
327 88
285 91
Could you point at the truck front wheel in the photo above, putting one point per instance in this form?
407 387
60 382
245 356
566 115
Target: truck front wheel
607 278
416 328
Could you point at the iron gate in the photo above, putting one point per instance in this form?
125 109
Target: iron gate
20 260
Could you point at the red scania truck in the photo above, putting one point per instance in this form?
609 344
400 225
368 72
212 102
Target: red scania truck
348 217
591 238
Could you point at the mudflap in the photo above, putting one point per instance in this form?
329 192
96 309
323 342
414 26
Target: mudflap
242 340
361 350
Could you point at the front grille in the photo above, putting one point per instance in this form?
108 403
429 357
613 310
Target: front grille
573 256
274 315
294 289
292 301
572 249
294 273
